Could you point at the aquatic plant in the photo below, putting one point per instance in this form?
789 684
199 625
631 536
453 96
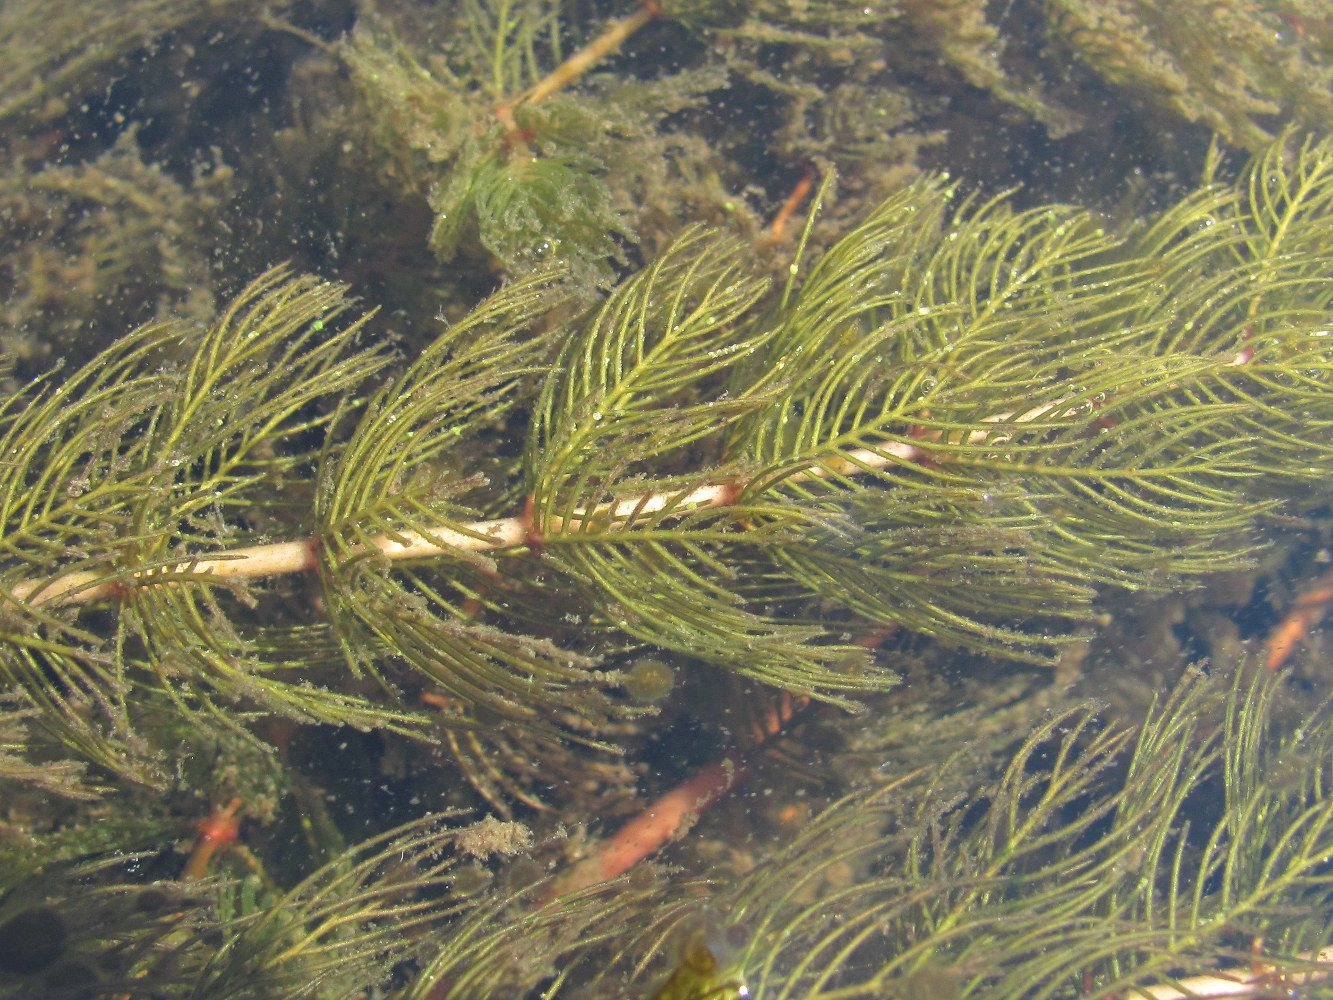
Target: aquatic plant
962 413
309 580
962 420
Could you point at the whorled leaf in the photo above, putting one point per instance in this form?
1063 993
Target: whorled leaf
398 476
131 465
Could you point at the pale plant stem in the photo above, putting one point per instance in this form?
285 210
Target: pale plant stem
255 562
594 52
576 65
1258 980
282 558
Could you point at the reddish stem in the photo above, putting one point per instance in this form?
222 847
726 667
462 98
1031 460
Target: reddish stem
221 829
793 202
666 819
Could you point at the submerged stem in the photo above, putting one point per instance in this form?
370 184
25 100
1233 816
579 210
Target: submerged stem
255 562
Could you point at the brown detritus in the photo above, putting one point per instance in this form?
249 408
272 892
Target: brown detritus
490 836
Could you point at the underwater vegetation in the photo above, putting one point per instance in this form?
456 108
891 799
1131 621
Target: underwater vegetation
670 500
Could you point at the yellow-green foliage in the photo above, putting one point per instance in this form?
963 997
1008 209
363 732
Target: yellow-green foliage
526 202
669 476
963 419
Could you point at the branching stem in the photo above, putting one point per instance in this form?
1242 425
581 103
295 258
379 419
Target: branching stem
594 52
282 558
579 63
